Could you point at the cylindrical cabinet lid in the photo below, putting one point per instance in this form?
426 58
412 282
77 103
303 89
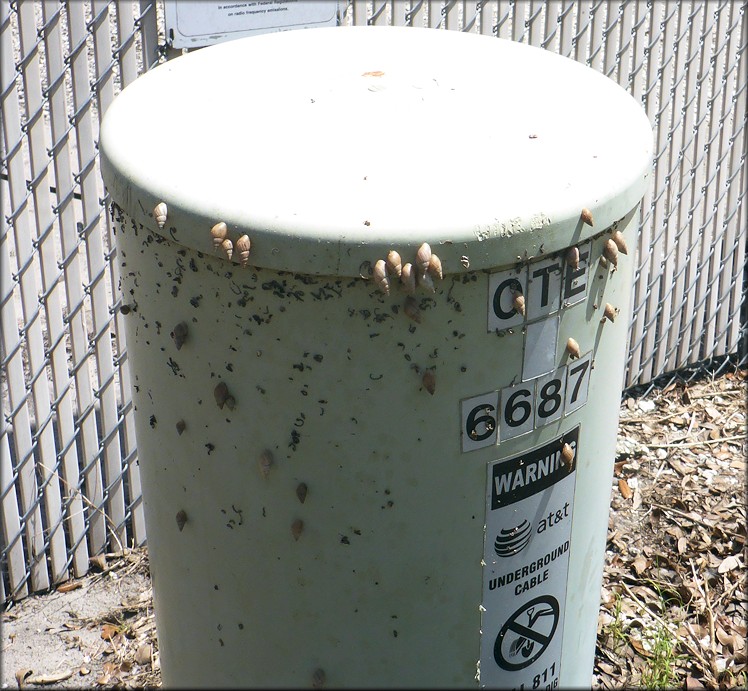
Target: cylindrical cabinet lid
329 147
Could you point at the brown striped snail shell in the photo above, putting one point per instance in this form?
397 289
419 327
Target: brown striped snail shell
435 267
181 519
301 491
408 278
411 309
160 213
242 247
228 248
380 276
567 455
297 527
572 258
429 381
620 241
610 252
265 462
423 257
586 216
609 312
518 302
572 347
394 263
427 282
219 232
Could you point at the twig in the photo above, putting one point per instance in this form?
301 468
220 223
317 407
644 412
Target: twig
712 634
677 445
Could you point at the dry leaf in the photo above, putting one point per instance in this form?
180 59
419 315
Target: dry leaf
143 654
640 564
728 564
108 631
98 562
624 488
70 585
692 684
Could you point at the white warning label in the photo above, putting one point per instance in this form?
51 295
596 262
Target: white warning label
530 502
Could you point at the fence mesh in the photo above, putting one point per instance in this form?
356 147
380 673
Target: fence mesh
69 476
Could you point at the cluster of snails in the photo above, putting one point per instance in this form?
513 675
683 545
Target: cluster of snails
221 241
614 245
426 268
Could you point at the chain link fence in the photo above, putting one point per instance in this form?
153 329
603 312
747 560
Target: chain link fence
69 474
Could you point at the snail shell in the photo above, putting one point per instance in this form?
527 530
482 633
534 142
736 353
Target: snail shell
228 248
572 347
380 276
219 232
265 462
427 282
610 251
179 334
408 278
221 394
435 267
567 455
160 213
423 257
411 309
429 381
518 302
242 247
572 258
586 216
610 312
181 519
181 426
301 491
318 678
618 238
394 263
297 527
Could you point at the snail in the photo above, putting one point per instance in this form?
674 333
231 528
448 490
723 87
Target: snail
618 239
223 397
586 216
242 247
567 455
609 312
394 263
265 462
228 248
297 527
301 491
219 232
518 302
423 257
435 267
610 252
160 213
181 426
572 257
572 347
179 334
429 381
408 278
181 519
380 276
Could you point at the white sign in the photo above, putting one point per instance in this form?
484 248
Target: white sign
530 504
200 23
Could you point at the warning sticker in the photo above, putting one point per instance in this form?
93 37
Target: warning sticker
530 502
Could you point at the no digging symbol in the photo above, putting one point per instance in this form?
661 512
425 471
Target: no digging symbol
526 634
